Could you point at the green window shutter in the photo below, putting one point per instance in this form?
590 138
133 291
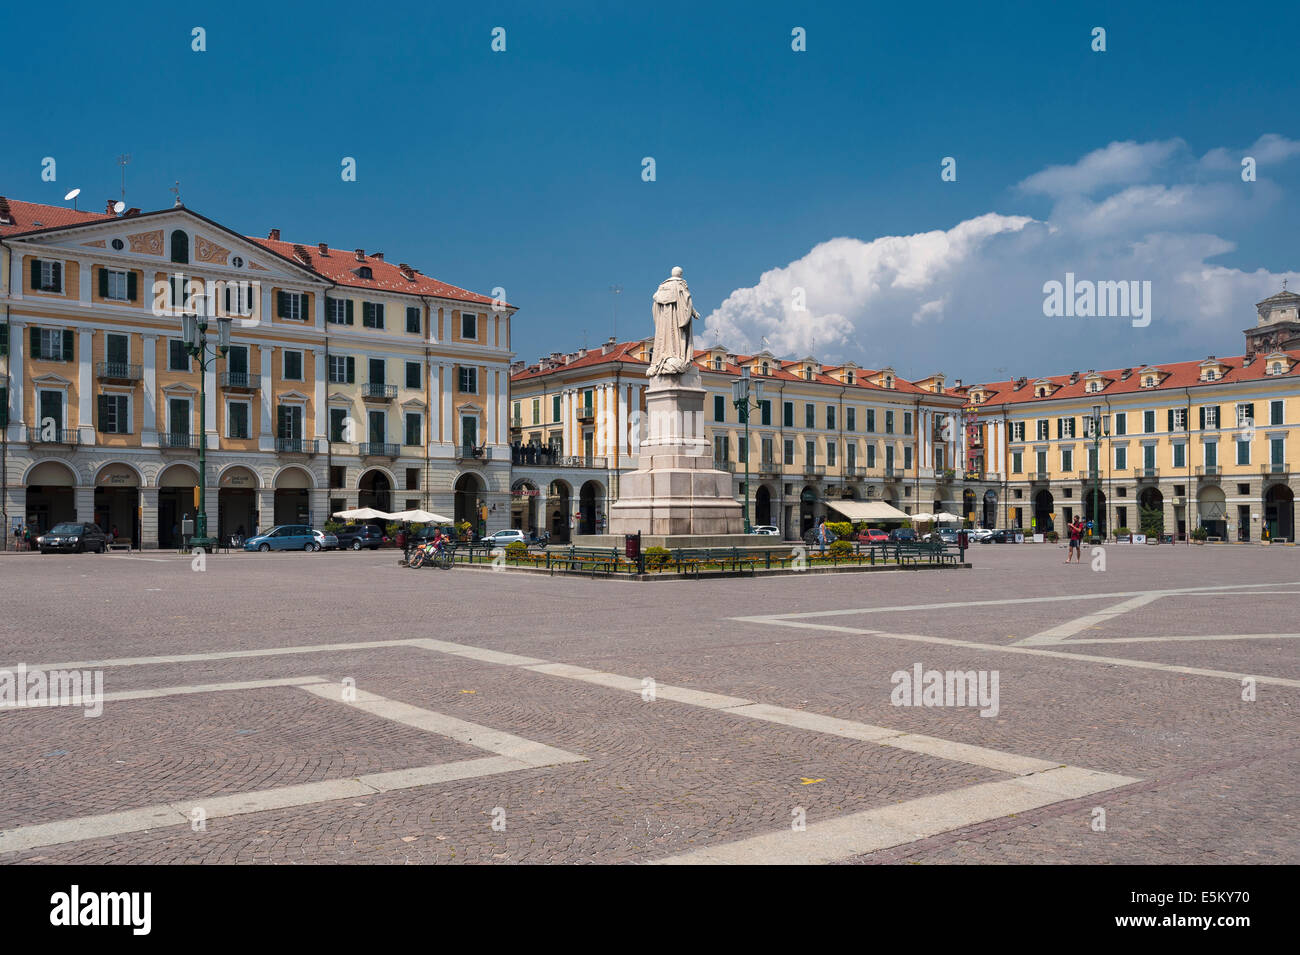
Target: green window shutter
352 370
36 343
348 309
4 407
1202 412
36 274
103 411
132 286
379 314
58 276
4 339
1171 420
67 344
279 303
281 416
1059 427
103 282
1250 412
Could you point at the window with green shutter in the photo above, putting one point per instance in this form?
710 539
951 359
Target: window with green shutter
413 323
4 339
113 415
372 314
414 425
413 374
180 247
4 406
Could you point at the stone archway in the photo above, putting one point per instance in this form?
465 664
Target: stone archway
293 496
525 507
1212 511
375 489
117 502
990 516
178 496
591 508
1279 513
51 496
763 505
468 493
559 498
1151 512
236 502
807 508
1043 520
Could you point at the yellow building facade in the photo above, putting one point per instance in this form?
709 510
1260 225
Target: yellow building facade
350 380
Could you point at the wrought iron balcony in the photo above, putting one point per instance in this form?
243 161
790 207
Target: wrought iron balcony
1146 474
296 445
117 371
1210 471
378 390
178 440
240 381
516 423
586 413
1276 467
470 452
378 449
53 435
814 468
769 466
893 473
944 475
852 471
1042 477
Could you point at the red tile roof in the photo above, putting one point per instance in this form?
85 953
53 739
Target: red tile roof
621 353
34 216
1185 374
339 264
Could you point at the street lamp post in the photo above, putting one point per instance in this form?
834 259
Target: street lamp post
1096 465
746 394
195 330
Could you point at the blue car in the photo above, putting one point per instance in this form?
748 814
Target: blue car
285 537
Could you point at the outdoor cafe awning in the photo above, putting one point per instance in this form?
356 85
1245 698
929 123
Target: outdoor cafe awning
867 510
362 514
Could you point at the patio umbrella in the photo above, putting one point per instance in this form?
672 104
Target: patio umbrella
945 518
922 518
362 514
418 516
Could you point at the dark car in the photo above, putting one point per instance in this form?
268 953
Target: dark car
358 536
902 534
74 538
1006 535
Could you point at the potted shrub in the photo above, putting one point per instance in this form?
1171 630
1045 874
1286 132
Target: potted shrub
1199 535
1123 535
656 557
841 549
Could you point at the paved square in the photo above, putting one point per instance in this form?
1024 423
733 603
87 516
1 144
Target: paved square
337 708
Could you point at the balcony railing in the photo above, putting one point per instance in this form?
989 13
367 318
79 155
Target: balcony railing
893 473
852 471
769 466
178 440
295 445
470 452
1209 471
378 449
241 380
1040 476
117 371
1276 467
1146 474
726 464
944 475
813 467
516 423
53 435
378 390
586 413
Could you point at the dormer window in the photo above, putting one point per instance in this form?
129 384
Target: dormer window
807 373
848 377
766 369
365 272
1275 368
1149 381
1040 391
1094 386
717 363
1210 375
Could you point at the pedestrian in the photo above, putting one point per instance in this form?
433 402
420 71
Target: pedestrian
823 535
1076 541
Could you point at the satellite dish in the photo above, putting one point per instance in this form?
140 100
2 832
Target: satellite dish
72 195
119 206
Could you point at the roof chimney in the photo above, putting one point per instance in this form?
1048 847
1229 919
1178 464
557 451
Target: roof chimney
133 211
377 255
274 235
109 208
408 273
1074 377
1126 374
6 216
361 255
324 249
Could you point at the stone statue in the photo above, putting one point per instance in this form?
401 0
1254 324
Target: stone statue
673 314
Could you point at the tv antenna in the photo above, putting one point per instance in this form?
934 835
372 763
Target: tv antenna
72 197
176 189
617 290
122 160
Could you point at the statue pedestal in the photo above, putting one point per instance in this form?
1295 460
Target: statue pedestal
676 491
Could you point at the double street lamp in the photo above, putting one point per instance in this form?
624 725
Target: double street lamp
1097 425
195 334
745 395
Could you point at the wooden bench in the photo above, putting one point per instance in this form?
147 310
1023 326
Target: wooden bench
594 559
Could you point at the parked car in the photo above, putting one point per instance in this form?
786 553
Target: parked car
947 535
1006 535
771 530
502 538
902 534
873 535
74 538
358 536
326 540
284 537
981 534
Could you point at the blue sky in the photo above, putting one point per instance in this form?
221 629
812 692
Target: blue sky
523 168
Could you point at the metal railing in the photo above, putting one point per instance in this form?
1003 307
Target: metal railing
1146 473
1209 470
178 440
586 412
1040 476
470 452
769 466
296 445
517 423
893 473
117 370
378 449
813 467
852 471
53 435
239 379
1276 467
373 389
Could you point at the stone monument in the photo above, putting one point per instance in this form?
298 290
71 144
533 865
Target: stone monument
676 491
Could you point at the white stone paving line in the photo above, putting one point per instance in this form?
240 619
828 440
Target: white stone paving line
845 837
151 694
511 753
780 620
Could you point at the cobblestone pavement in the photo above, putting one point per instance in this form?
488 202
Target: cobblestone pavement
337 708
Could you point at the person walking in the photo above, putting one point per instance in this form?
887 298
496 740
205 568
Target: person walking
1076 541
822 535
